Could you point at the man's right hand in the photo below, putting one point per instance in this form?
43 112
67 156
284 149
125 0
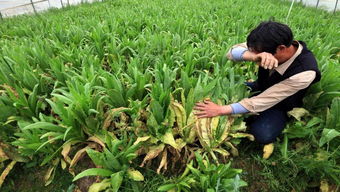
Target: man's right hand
264 59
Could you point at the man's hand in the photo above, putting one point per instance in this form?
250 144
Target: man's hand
210 109
266 60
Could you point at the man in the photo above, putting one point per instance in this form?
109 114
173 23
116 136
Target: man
286 69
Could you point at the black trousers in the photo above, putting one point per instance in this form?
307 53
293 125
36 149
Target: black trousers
268 124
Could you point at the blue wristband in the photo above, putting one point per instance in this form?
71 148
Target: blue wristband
237 53
238 108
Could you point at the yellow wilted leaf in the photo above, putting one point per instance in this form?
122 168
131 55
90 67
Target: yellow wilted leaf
168 138
324 187
192 135
223 152
135 175
242 135
239 127
6 172
202 128
63 164
180 114
268 150
180 143
214 123
226 129
234 151
192 118
153 152
141 139
297 113
163 162
172 117
189 130
321 155
96 187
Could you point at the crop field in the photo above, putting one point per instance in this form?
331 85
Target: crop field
99 97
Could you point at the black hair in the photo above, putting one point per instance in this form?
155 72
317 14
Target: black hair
267 36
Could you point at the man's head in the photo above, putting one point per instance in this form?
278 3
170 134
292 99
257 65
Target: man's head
271 37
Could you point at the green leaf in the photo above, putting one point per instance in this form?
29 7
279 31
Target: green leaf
92 172
116 180
157 111
32 99
45 126
327 136
95 156
166 187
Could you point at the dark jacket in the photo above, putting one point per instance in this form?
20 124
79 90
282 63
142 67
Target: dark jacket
304 62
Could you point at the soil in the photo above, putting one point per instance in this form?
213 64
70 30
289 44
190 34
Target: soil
251 168
256 182
31 179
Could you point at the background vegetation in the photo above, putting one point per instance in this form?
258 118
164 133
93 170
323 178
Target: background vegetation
103 94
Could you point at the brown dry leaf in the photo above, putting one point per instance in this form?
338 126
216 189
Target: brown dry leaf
153 152
66 151
11 153
268 150
50 172
110 116
124 118
78 156
97 140
14 92
48 175
6 172
164 162
3 156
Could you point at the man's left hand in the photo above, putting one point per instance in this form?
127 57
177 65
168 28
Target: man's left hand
208 109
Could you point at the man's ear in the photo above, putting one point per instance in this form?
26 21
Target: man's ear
281 48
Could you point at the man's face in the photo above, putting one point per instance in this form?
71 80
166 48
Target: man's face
280 53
